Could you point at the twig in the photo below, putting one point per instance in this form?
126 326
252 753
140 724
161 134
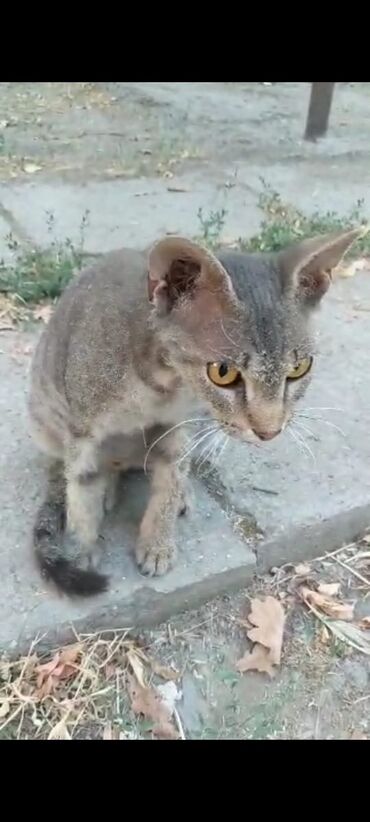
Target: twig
333 553
353 571
179 724
361 699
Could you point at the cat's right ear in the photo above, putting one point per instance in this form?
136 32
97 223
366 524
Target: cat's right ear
306 267
177 268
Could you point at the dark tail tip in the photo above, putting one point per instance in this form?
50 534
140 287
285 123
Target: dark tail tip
70 579
61 570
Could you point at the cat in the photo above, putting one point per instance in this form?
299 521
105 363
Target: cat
141 347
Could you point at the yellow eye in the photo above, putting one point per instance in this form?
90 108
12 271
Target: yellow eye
301 369
223 374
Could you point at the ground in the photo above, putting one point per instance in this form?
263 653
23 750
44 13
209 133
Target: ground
319 691
88 167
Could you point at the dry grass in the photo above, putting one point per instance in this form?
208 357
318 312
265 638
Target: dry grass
76 690
110 686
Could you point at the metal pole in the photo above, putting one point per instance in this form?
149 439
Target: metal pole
319 110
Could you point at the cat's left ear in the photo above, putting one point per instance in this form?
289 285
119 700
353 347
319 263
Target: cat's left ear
307 267
179 269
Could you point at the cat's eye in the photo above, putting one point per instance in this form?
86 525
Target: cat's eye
300 369
222 374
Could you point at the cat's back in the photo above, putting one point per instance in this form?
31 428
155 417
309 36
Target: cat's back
89 329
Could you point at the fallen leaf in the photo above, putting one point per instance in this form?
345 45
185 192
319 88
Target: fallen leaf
302 570
60 731
147 702
31 168
258 660
163 671
4 708
329 588
19 350
109 732
351 634
331 607
358 735
137 667
43 312
351 269
364 622
324 635
268 616
61 666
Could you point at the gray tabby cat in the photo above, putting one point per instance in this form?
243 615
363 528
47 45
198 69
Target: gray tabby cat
140 347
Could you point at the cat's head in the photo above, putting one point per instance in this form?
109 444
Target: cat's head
236 327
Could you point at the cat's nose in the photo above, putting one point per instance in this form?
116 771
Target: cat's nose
266 435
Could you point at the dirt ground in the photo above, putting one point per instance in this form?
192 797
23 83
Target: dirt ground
102 130
320 690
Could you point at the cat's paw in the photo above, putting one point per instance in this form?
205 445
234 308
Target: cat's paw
155 560
91 557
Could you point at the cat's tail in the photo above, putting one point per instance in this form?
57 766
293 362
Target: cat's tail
48 543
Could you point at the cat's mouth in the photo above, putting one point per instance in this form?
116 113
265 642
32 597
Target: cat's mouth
253 436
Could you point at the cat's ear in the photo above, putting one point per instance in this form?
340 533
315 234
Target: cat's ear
307 267
177 268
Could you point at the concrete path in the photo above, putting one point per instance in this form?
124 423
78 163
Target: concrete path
262 507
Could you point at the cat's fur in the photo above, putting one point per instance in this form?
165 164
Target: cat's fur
124 358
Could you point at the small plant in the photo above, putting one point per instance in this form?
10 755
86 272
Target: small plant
283 224
37 274
211 227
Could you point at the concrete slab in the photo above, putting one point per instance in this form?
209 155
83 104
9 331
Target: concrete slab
302 506
126 212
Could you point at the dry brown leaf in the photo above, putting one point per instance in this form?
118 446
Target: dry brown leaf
324 635
148 703
331 607
358 735
60 731
43 312
136 666
178 189
31 168
364 622
258 660
61 666
329 588
302 569
163 671
4 708
268 616
351 269
109 732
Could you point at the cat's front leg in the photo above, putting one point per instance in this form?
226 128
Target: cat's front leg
156 548
86 494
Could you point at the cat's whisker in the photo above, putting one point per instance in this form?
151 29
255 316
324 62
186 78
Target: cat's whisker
169 430
224 443
193 443
233 343
326 422
207 450
307 429
217 445
322 408
300 438
201 436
